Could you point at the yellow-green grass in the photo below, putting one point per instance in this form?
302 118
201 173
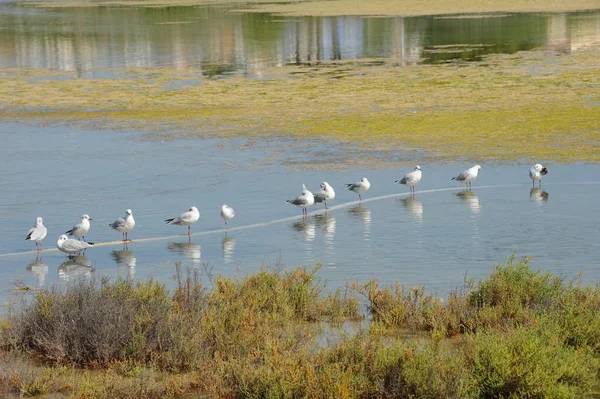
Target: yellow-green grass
528 106
352 7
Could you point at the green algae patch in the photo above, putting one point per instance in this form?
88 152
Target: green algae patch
528 106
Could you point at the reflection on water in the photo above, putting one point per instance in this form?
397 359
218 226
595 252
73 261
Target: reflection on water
307 227
125 258
39 269
227 248
187 249
220 42
326 222
414 207
471 199
538 195
75 267
362 214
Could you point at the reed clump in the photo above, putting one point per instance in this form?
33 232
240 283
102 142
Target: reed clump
520 333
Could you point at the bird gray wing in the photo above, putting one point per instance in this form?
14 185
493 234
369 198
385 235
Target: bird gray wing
37 232
75 245
120 222
463 176
186 217
319 197
351 186
298 201
29 233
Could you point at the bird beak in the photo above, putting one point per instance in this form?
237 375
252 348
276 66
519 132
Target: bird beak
90 219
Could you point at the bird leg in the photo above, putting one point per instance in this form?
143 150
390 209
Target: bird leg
189 230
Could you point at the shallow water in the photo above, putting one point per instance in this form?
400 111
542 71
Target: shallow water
432 240
220 42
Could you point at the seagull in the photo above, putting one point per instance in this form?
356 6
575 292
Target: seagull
361 187
71 246
124 225
468 175
227 213
304 200
37 233
411 179
186 219
81 228
536 172
326 194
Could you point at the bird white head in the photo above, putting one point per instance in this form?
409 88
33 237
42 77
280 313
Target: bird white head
478 167
63 238
193 209
417 167
86 217
537 167
128 212
364 180
39 221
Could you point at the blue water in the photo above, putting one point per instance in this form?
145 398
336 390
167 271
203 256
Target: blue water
434 240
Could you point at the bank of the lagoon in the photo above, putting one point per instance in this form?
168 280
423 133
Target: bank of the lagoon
347 7
277 333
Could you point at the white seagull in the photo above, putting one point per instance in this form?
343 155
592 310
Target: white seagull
227 213
304 200
37 233
536 172
326 194
81 228
360 187
185 219
71 246
124 226
411 179
468 175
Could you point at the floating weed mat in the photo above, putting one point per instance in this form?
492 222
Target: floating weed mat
526 106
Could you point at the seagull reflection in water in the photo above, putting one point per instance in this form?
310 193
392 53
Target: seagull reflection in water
361 213
228 248
326 222
39 269
126 258
471 199
75 267
537 195
187 249
414 207
305 226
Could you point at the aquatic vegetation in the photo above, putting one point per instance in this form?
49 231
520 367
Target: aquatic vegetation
507 108
519 333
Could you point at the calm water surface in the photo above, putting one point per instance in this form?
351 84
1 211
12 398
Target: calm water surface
219 41
432 240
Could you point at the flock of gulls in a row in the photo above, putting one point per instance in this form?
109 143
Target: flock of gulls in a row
306 199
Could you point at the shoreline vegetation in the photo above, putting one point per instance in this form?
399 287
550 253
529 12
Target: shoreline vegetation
518 334
540 105
348 7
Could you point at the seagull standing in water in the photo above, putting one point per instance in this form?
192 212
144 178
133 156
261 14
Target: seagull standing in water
468 176
185 219
81 228
360 187
326 194
536 172
411 179
124 226
227 213
37 233
304 200
71 246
